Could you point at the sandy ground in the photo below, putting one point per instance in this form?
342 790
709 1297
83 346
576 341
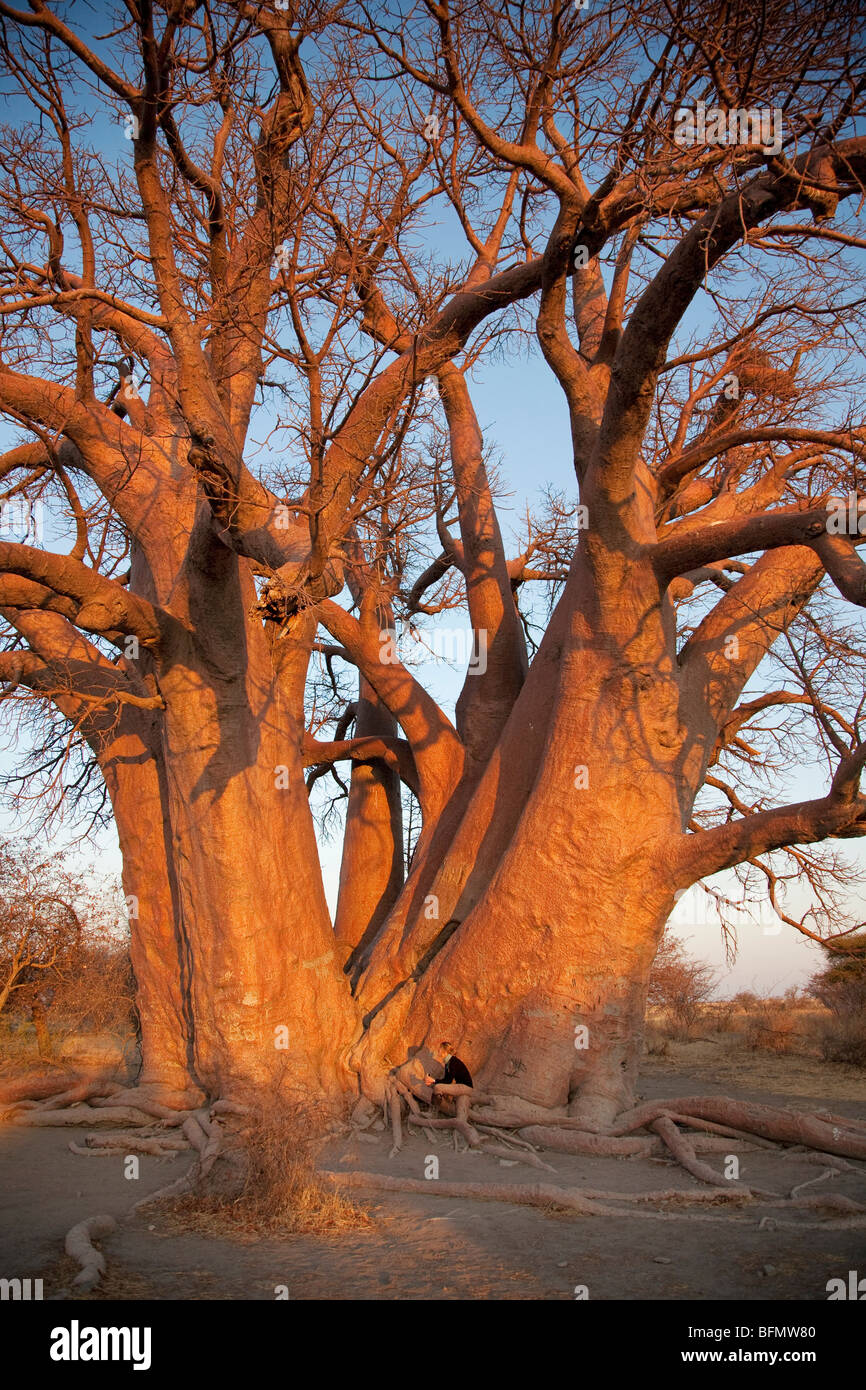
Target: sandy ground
427 1247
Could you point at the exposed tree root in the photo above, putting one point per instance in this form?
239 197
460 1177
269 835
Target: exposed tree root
592 1145
839 1165
786 1126
583 1143
811 1182
414 1109
683 1151
173 1189
459 1124
158 1099
79 1246
145 1105
697 1122
126 1141
516 1155
229 1107
100 1091
502 1126
395 1112
82 1115
539 1194
842 1121
589 1203
828 1201
35 1087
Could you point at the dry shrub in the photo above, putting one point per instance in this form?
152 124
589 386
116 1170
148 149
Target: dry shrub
282 1190
678 985
98 996
841 988
681 1028
718 1015
656 1042
17 1040
772 1027
843 1040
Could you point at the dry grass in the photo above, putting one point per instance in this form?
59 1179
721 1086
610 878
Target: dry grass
843 1040
657 1041
283 1192
116 1283
15 1042
772 1027
793 1025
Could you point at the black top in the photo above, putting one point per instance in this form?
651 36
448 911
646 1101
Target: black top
456 1073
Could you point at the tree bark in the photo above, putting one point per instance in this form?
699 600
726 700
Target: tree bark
371 870
564 938
264 970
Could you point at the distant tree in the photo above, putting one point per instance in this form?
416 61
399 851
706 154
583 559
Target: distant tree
39 925
678 982
61 950
842 985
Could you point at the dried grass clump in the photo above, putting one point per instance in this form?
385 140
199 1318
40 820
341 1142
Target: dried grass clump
772 1027
282 1192
657 1044
843 1040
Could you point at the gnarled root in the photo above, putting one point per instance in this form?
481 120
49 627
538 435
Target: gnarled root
784 1126
460 1124
36 1087
593 1145
79 1246
81 1115
683 1151
585 1202
394 1105
126 1141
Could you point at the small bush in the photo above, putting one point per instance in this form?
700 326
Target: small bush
843 1040
719 1015
679 985
841 987
656 1043
282 1191
771 1028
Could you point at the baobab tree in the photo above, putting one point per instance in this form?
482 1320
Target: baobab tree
692 290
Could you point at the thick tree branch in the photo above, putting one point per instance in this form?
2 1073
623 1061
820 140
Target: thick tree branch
394 752
842 813
644 343
101 605
434 741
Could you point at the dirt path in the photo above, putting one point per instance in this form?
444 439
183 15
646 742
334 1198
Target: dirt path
424 1247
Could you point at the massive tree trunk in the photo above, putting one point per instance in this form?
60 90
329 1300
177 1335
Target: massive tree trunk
134 773
470 838
542 985
265 972
371 870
